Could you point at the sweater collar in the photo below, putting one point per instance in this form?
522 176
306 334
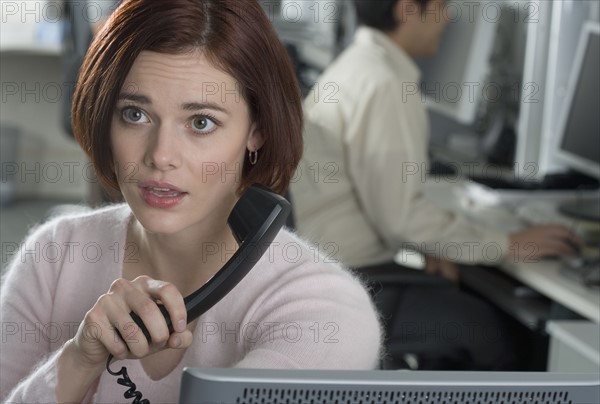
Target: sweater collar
400 60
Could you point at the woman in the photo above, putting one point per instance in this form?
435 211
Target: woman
180 105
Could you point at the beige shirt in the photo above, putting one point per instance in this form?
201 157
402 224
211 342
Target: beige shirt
358 192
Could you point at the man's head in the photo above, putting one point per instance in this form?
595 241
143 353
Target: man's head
380 13
415 25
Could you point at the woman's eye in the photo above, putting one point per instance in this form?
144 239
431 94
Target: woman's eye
203 124
134 115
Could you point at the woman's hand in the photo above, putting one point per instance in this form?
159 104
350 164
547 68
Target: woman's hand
543 241
109 329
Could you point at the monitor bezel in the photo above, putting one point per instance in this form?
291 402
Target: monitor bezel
220 385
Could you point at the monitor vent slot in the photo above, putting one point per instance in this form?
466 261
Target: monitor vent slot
332 396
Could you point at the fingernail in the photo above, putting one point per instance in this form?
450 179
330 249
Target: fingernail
180 327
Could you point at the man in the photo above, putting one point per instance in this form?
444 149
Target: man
353 194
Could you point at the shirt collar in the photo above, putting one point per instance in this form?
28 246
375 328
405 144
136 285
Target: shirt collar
400 60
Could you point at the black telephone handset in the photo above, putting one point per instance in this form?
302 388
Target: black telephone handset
255 220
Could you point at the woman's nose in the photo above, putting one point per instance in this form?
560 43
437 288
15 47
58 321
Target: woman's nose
163 150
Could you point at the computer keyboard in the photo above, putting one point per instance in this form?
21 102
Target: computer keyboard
551 182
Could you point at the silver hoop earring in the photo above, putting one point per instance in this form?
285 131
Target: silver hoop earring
253 156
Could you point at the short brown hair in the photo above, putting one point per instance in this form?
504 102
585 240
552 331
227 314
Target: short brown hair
236 37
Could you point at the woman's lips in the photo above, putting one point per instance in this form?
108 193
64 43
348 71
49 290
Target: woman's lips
161 195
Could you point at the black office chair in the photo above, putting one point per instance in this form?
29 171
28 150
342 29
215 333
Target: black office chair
387 283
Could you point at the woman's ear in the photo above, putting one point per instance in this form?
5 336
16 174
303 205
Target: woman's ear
256 139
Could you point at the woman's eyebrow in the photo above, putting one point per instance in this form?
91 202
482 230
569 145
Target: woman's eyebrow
141 99
188 106
196 106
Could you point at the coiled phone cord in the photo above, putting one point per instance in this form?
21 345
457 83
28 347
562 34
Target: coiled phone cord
124 380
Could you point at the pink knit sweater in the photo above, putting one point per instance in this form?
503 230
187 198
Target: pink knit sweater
294 310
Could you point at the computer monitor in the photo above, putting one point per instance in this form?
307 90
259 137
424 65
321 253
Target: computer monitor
578 145
453 79
578 132
253 386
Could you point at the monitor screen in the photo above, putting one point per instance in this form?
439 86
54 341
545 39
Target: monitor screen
579 128
253 386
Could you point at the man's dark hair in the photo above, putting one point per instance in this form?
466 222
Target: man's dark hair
379 13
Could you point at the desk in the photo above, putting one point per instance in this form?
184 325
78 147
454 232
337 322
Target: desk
543 276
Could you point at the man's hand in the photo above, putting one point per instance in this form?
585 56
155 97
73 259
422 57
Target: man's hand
543 241
446 269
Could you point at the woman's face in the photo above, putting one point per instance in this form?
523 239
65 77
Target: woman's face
179 134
